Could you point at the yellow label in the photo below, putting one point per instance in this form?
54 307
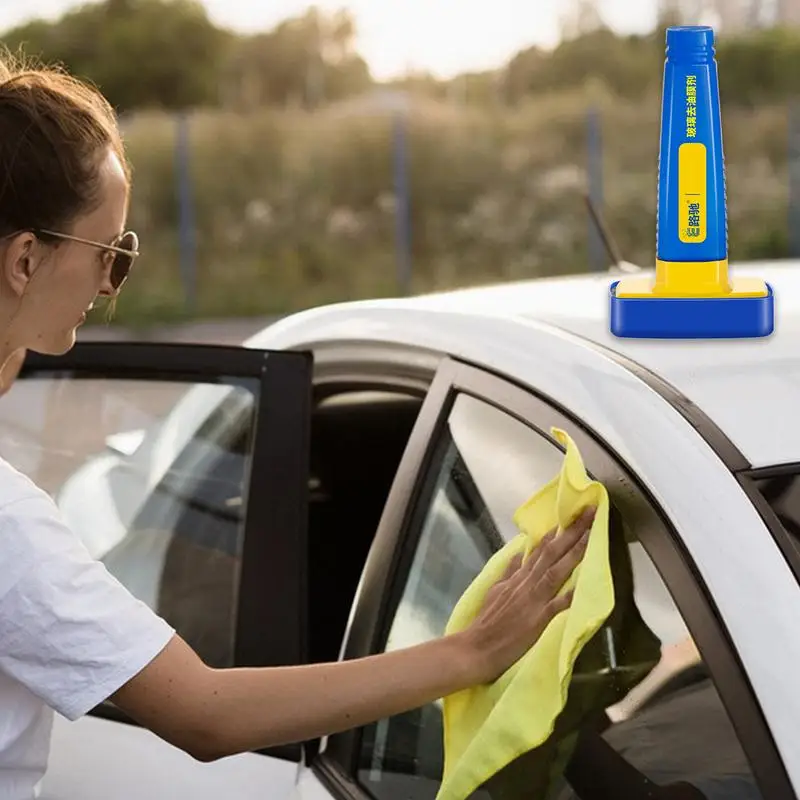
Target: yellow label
692 203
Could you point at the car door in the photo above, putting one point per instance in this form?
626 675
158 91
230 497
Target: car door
659 705
185 470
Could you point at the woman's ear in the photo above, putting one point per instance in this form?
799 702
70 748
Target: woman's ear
17 262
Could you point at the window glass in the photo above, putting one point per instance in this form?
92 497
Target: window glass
640 688
782 492
152 476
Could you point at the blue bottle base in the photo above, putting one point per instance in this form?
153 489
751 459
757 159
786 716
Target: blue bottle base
691 318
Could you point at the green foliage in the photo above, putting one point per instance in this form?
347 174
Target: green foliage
756 68
292 154
303 61
167 54
760 68
628 66
140 53
295 208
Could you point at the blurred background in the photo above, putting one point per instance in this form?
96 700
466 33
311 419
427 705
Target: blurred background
287 155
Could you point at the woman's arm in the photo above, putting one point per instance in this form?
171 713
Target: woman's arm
213 713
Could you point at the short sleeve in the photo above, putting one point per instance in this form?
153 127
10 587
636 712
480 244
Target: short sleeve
69 631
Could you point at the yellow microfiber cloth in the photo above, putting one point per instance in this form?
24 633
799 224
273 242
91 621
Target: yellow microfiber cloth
488 727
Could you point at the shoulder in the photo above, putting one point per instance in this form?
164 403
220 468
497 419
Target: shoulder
32 533
15 486
21 498
69 631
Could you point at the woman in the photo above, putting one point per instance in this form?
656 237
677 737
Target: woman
70 635
10 369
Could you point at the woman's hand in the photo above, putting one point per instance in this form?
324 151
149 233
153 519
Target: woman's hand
213 713
518 608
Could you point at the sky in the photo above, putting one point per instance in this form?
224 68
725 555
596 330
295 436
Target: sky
444 37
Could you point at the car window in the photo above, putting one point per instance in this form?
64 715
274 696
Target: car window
782 492
158 495
639 687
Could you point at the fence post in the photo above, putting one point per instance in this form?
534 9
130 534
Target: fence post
186 223
793 159
403 201
594 157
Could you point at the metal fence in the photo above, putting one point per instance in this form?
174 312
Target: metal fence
402 152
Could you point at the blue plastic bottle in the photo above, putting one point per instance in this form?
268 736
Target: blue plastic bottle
692 296
691 146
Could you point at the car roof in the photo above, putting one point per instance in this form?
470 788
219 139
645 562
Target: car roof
747 387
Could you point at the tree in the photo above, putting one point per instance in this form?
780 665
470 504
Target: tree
305 60
629 66
140 53
580 18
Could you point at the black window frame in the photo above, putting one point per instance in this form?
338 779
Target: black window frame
396 540
271 620
788 543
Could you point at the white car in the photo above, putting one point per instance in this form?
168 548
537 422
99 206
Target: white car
329 490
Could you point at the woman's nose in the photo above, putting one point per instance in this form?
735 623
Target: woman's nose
107 288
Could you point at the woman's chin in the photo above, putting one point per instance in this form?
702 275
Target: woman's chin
55 345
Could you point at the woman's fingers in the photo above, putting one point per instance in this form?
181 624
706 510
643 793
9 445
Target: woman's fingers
555 548
554 607
550 582
540 548
548 565
522 604
512 567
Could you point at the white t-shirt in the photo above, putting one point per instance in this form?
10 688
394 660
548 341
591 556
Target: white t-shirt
70 633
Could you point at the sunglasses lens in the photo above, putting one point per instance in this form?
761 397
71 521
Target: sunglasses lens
123 262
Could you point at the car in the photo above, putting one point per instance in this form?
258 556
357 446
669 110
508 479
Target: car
330 488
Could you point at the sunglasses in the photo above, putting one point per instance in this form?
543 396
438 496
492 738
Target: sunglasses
125 252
